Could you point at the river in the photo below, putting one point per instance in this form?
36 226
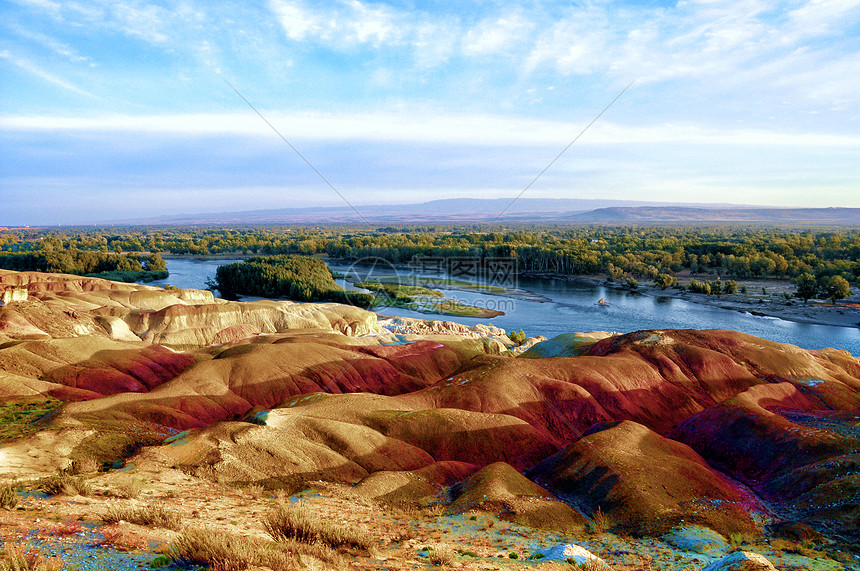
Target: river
559 306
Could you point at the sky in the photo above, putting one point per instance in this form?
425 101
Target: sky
115 110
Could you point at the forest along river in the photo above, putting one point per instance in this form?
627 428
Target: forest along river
553 307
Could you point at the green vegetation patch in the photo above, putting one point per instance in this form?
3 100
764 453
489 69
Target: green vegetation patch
398 292
299 278
130 276
20 418
452 307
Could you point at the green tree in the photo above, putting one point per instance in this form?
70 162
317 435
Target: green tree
517 337
664 281
835 288
730 287
807 286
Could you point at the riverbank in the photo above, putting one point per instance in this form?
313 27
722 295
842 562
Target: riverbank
763 298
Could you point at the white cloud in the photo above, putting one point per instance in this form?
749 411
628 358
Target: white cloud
343 23
146 22
494 35
297 21
477 129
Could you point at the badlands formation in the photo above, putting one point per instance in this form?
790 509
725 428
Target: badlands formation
666 449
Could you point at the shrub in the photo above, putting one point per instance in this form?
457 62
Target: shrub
154 515
441 555
128 488
518 337
599 521
64 484
665 280
8 497
301 524
227 552
590 564
13 558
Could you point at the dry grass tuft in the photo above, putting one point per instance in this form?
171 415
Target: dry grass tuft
590 564
255 491
599 522
149 515
64 484
8 497
228 552
301 524
441 555
13 558
128 488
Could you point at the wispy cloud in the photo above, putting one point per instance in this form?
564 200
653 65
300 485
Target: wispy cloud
36 71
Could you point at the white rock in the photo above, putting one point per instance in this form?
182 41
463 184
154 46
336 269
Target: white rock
571 551
741 561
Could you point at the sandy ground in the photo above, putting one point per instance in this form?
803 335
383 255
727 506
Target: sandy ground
71 528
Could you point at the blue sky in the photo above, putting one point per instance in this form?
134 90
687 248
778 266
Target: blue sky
121 109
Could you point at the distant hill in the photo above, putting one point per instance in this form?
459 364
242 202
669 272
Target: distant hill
680 215
523 211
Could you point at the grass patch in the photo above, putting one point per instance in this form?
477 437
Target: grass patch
65 484
441 555
227 552
20 418
303 525
127 488
590 564
148 515
8 497
453 307
14 558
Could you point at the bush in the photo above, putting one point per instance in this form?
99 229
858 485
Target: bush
128 488
14 558
599 521
227 552
64 484
152 515
441 555
8 497
517 337
664 281
301 524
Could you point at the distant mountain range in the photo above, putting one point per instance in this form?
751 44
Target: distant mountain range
524 211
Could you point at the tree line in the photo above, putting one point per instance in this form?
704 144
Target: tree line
734 252
108 265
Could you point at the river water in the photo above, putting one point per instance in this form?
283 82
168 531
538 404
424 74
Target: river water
558 306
